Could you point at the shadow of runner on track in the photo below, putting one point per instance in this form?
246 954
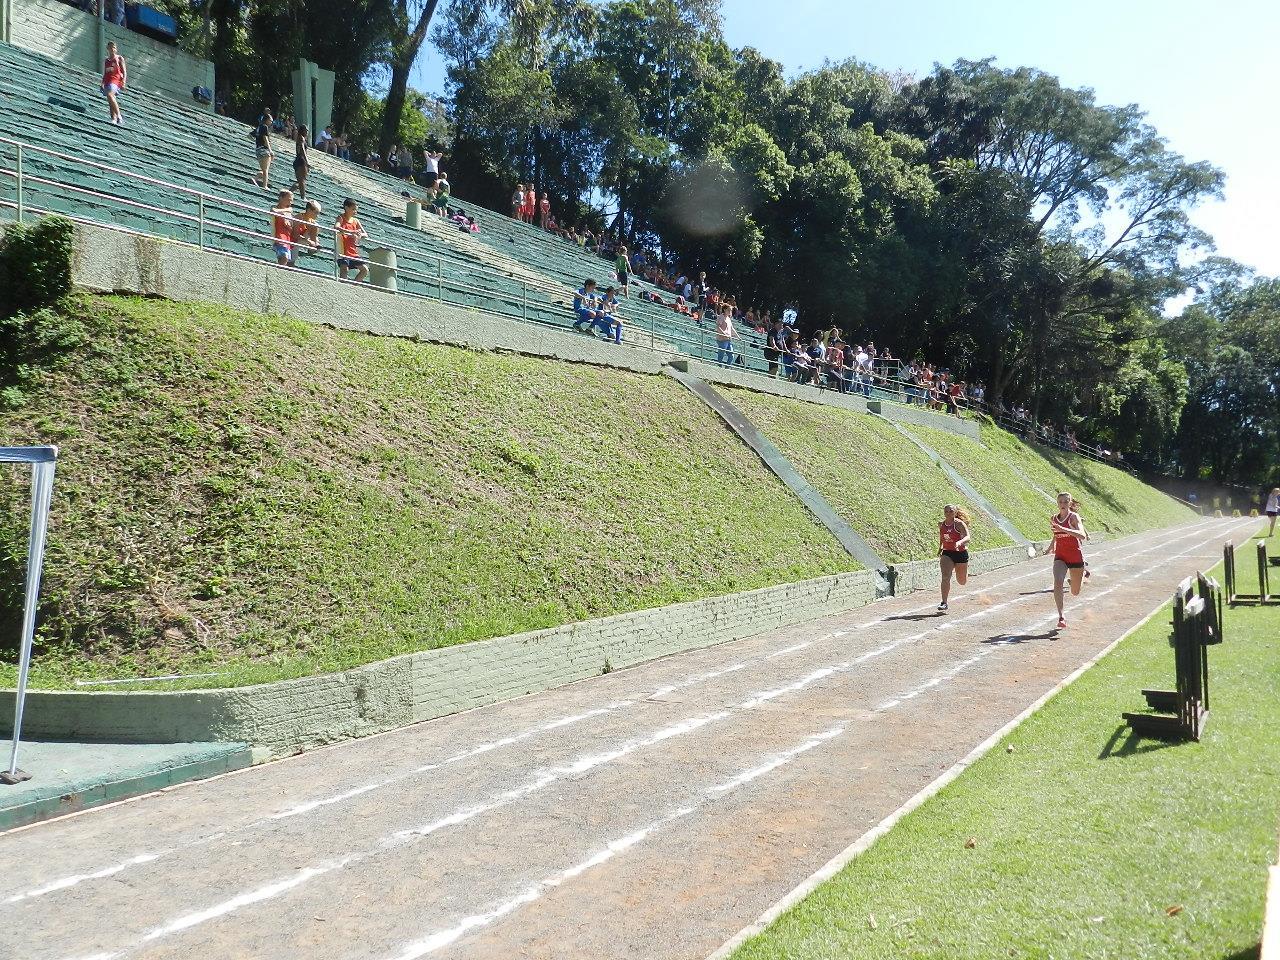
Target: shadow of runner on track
916 616
1021 637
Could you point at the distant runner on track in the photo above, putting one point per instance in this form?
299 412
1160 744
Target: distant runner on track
1068 560
953 550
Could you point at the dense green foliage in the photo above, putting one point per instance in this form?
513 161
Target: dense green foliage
35 275
1229 344
1086 844
35 265
270 498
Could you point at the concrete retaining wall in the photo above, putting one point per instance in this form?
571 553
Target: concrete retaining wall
295 714
71 36
112 261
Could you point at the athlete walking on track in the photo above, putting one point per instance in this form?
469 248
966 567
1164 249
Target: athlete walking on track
953 550
1068 559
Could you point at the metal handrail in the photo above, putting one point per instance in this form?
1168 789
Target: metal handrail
204 198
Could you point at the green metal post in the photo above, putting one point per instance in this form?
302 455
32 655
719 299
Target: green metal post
439 281
202 221
524 300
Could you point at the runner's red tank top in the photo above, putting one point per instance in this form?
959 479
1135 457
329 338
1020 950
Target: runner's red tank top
112 72
1066 547
949 535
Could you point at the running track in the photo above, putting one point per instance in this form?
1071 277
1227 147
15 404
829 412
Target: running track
647 813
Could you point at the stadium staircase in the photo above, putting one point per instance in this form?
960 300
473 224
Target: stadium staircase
184 174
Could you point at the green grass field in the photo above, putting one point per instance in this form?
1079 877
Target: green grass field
877 480
1088 845
267 498
1020 478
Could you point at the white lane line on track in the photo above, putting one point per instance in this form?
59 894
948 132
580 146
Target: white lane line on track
71 881
1193 530
267 892
450 935
310 805
579 766
443 938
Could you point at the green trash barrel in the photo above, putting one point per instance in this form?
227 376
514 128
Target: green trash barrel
413 214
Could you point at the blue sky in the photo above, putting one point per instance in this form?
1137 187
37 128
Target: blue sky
1205 76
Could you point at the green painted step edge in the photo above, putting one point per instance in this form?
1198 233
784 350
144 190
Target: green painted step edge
965 487
98 794
785 471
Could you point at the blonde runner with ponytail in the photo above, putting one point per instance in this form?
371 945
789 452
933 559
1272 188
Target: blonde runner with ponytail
953 550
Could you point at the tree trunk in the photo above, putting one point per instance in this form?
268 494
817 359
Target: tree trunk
402 60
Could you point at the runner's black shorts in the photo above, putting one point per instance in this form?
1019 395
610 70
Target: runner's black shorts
956 556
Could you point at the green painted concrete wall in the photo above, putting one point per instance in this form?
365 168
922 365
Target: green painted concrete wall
317 112
79 40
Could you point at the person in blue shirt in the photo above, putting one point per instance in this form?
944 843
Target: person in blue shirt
586 304
610 324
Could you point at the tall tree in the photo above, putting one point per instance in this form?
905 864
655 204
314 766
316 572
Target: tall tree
410 22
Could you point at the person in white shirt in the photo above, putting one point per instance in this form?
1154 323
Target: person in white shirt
430 167
1273 510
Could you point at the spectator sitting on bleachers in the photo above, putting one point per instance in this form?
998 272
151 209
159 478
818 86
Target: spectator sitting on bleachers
586 304
611 324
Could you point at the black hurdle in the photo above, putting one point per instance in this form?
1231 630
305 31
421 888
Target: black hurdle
1264 594
1181 714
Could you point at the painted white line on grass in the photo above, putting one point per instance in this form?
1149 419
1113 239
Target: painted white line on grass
864 842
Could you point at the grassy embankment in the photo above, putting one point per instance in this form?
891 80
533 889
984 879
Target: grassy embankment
1020 478
877 480
1086 844
265 498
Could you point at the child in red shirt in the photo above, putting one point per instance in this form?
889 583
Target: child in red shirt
350 233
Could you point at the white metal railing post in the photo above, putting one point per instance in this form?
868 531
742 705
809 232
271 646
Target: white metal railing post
524 300
42 460
19 194
201 198
439 280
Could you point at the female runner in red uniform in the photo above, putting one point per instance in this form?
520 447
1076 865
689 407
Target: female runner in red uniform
953 550
1068 560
